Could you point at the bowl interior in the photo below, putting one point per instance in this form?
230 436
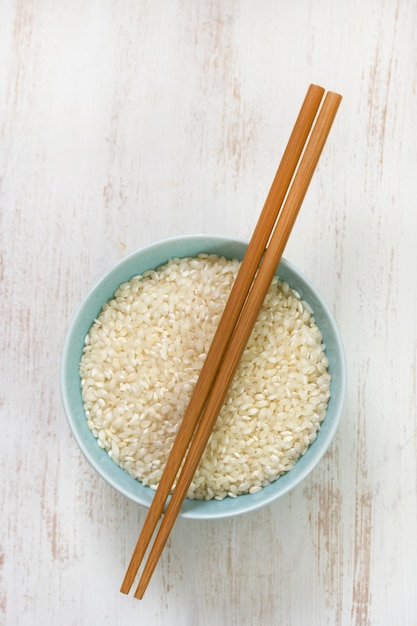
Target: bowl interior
151 257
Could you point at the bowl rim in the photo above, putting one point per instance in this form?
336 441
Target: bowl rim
194 509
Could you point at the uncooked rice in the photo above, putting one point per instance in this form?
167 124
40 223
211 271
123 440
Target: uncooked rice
143 355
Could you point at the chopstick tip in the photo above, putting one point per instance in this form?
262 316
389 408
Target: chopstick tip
125 589
139 593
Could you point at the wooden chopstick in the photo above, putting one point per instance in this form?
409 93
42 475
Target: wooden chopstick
243 282
247 319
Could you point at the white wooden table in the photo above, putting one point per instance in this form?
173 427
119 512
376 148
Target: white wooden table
126 121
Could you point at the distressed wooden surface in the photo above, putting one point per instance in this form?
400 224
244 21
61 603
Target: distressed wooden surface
125 121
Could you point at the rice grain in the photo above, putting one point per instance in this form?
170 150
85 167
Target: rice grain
142 357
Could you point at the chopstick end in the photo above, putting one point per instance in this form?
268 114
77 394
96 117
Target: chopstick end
139 593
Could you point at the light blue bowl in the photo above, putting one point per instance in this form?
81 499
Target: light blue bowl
151 257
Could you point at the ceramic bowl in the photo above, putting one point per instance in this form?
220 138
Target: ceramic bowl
151 257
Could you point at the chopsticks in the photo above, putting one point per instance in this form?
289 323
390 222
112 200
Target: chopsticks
248 293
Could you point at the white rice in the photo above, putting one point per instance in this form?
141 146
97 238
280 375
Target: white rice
142 357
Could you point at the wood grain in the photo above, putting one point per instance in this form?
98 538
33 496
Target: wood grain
123 122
